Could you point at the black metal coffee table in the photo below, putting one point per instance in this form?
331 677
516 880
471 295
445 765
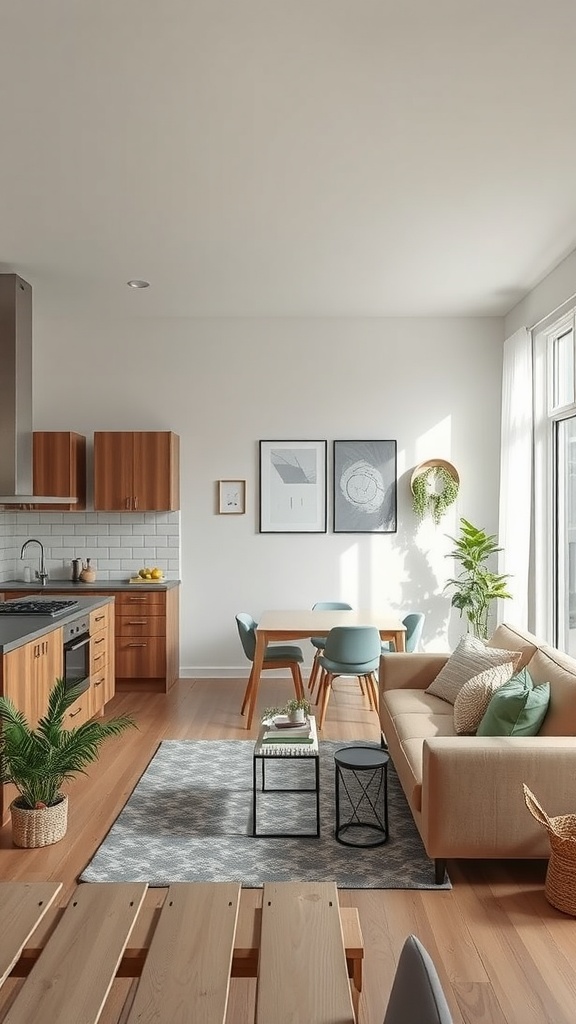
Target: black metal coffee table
264 752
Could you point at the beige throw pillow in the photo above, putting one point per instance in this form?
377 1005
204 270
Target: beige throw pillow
473 699
470 658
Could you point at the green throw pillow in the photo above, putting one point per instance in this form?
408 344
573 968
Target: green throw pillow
517 708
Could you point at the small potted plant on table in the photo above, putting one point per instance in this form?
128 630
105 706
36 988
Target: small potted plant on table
296 710
38 761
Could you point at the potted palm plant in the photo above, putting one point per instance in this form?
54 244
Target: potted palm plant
476 587
38 762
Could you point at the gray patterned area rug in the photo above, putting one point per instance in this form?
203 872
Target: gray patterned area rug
189 820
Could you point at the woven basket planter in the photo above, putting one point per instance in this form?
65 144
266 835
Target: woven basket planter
41 827
560 886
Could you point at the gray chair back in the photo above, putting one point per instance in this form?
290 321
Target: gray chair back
247 632
353 646
414 623
417 996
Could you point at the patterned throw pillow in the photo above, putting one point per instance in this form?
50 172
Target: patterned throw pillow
470 658
474 697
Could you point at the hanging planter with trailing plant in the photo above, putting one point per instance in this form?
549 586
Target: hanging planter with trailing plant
435 485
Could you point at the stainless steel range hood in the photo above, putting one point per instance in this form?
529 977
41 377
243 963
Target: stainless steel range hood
16 487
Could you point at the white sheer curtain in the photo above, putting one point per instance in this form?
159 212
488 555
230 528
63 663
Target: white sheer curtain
516 475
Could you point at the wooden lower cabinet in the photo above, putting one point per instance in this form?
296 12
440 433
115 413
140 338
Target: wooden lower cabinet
145 654
27 676
80 711
29 673
147 639
102 657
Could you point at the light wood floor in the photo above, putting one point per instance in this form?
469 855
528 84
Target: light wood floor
503 953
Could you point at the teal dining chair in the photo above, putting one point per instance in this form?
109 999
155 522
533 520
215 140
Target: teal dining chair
319 641
275 656
414 623
350 651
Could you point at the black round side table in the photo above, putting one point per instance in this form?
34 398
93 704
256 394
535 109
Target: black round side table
361 790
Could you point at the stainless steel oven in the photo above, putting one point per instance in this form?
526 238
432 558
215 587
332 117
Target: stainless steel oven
77 654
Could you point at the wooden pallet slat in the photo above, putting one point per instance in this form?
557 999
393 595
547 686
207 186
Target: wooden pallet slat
72 978
186 976
22 907
303 973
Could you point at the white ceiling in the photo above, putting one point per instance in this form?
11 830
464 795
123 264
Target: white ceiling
286 157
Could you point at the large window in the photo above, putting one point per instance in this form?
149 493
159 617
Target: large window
555 506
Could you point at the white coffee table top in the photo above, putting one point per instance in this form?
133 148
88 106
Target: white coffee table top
287 749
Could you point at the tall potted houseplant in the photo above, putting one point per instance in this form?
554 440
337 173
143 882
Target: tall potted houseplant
476 587
38 762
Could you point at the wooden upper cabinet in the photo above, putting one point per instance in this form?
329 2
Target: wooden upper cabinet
59 467
136 471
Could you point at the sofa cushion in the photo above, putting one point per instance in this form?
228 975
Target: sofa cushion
473 699
513 639
414 702
422 727
470 658
551 665
518 708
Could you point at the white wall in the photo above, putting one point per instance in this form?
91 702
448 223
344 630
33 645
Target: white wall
223 384
558 287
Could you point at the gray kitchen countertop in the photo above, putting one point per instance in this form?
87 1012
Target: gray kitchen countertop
63 586
17 630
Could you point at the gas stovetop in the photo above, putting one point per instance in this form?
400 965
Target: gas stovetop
33 607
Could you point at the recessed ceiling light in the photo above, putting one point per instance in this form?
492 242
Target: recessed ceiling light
138 284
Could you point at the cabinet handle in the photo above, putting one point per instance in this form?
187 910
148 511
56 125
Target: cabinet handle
100 617
138 622
135 502
99 682
97 657
137 645
127 502
74 713
137 598
100 641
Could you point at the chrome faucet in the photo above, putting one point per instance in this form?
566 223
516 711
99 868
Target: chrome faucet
41 573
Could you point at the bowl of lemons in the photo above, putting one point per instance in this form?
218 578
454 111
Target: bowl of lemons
146 575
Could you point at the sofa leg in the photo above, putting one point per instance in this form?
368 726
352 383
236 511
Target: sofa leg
383 743
439 870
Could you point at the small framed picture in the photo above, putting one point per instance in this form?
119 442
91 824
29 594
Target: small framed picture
231 497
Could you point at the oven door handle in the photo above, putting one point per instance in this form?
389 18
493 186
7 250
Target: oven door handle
81 643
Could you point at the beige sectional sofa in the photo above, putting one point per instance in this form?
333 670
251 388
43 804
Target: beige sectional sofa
465 792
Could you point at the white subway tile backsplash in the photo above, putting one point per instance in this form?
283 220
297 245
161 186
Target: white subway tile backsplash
117 544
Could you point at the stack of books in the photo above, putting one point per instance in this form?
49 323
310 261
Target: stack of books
280 731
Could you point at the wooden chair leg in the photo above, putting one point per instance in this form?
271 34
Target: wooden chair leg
368 681
324 696
315 672
297 677
320 691
373 684
247 691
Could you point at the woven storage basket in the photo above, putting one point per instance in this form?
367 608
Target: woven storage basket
41 827
560 887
